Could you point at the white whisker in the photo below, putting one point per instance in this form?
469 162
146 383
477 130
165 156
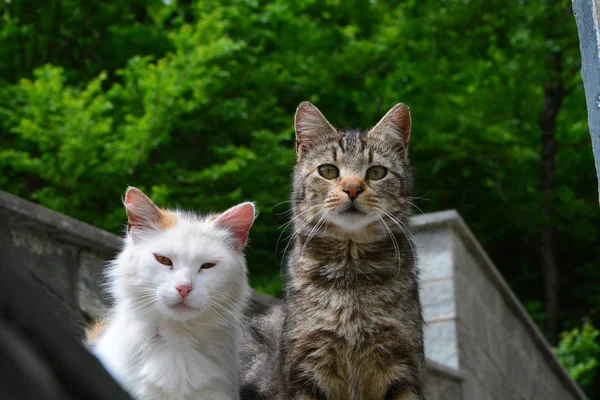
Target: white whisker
394 241
403 228
295 234
315 229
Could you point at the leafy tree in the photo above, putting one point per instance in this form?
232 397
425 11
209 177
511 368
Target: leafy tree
193 101
579 352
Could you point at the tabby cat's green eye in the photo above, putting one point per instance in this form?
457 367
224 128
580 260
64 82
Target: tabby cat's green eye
376 173
329 171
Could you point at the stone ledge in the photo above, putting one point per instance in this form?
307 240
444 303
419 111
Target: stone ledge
447 372
453 220
58 225
443 383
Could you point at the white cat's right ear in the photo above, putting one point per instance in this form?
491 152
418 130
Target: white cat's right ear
311 127
142 213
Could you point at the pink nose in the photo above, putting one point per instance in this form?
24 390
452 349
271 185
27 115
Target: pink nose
184 290
353 191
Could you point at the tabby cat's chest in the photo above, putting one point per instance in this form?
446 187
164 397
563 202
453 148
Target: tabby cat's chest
352 315
346 340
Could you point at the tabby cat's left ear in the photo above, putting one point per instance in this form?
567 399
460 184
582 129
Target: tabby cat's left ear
394 126
238 220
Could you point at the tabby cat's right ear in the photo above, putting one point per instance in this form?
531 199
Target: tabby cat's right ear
394 127
311 127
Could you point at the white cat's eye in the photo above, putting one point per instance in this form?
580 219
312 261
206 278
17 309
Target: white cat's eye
376 173
207 265
329 171
163 260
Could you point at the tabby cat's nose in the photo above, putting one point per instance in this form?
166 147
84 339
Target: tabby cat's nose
353 190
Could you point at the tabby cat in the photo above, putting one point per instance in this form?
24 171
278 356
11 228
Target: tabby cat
351 325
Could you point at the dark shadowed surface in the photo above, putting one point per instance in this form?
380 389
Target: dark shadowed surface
40 357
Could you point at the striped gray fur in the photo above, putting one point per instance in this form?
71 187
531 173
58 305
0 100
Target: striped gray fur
351 324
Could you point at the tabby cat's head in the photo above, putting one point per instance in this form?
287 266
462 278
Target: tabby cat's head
351 179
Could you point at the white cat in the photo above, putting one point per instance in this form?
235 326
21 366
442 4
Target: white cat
180 288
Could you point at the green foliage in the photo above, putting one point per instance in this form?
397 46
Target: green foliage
535 309
579 353
193 101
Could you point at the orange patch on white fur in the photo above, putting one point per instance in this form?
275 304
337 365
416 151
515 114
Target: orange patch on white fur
93 333
168 220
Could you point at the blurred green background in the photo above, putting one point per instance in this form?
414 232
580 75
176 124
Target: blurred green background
193 102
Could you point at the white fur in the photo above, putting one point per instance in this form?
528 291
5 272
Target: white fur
157 352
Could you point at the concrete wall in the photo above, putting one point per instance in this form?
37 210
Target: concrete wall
443 383
62 256
476 324
480 343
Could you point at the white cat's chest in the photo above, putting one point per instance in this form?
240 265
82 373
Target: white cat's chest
170 366
176 367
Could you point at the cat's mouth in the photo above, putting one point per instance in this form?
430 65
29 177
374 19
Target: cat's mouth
352 218
352 210
183 307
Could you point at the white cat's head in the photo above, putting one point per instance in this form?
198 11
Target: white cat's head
180 265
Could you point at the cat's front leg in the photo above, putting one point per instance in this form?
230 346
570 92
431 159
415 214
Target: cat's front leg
407 396
305 397
302 383
305 391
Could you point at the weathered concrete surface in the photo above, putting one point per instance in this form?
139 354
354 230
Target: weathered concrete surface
587 14
52 251
435 248
476 324
443 383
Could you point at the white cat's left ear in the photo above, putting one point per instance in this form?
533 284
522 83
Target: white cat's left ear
395 125
238 220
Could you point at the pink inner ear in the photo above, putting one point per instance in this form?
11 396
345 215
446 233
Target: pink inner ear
395 124
311 126
141 211
238 220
